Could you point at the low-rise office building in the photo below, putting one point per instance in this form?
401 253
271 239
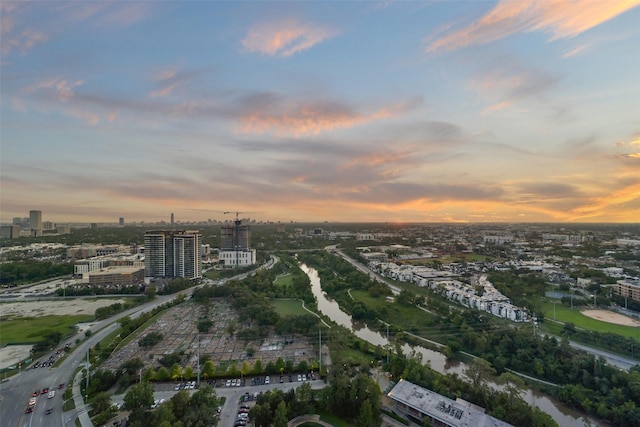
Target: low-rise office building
416 404
125 276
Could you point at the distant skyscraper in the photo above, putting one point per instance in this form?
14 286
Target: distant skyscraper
35 222
173 253
121 221
172 218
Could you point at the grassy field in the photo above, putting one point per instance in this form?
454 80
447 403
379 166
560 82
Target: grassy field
287 307
409 318
32 329
334 420
284 280
566 315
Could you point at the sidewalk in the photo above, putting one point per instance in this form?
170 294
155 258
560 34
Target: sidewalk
81 409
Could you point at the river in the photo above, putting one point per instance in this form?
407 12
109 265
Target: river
565 417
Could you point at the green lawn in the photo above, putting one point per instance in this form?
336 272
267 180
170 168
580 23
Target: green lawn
284 280
334 420
29 330
287 307
566 315
409 318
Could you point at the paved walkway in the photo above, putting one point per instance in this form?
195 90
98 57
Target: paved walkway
307 418
81 409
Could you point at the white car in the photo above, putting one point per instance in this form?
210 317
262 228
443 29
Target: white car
299 378
267 379
238 382
228 383
51 394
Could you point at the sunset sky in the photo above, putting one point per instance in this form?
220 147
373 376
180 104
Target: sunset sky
310 111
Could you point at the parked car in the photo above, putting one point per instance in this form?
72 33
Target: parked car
266 379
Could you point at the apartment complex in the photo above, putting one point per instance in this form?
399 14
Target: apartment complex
173 253
629 288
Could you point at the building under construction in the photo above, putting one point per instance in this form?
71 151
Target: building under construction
235 245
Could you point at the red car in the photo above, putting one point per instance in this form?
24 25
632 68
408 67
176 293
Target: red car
45 390
35 393
29 409
61 385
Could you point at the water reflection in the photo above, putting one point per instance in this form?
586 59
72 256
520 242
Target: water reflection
438 362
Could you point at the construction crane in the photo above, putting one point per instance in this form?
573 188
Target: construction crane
237 213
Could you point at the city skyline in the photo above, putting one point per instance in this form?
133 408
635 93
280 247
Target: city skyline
321 111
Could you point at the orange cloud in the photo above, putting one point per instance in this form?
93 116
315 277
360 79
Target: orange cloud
563 19
600 204
285 38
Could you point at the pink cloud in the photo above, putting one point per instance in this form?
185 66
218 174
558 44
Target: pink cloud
562 19
285 38
313 118
23 41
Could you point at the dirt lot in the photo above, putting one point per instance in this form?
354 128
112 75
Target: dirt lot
179 329
76 306
611 317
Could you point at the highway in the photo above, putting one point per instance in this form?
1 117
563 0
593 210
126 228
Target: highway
16 391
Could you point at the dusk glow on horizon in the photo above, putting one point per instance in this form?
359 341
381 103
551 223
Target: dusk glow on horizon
399 111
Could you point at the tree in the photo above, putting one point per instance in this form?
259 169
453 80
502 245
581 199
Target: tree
188 373
163 415
280 418
201 410
260 414
176 371
163 374
478 371
204 325
366 417
180 402
101 402
512 386
137 401
208 369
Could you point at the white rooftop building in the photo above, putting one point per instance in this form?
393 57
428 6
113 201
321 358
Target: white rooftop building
417 403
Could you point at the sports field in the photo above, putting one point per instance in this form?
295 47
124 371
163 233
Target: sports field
581 320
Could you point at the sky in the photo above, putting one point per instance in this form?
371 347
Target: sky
351 111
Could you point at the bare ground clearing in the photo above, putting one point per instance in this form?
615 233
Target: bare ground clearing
611 317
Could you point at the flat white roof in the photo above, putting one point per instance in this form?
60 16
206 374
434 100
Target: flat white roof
451 412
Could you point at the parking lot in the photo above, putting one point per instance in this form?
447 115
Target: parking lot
237 396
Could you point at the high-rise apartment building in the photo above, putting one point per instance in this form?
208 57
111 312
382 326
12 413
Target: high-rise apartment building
121 221
173 253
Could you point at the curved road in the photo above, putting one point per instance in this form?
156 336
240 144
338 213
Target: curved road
16 391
